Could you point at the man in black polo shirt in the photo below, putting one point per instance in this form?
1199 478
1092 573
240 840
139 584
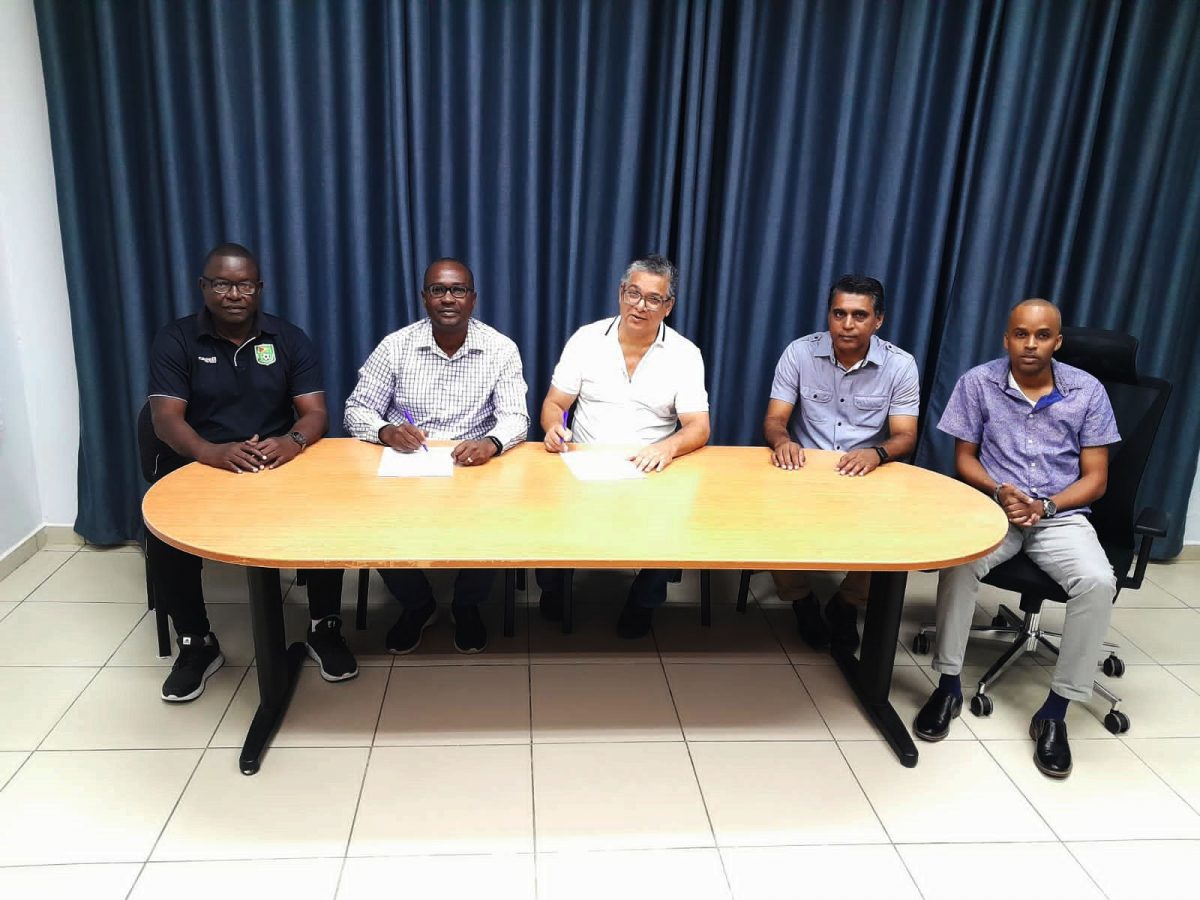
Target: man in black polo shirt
236 389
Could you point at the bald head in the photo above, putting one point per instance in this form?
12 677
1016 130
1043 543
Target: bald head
1037 305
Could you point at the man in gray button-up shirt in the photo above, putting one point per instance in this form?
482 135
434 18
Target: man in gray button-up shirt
842 389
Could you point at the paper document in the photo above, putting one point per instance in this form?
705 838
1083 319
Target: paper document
597 465
436 463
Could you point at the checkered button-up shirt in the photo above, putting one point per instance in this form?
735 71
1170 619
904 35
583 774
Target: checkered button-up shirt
478 392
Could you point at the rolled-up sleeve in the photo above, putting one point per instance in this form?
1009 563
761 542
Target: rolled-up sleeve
367 404
510 396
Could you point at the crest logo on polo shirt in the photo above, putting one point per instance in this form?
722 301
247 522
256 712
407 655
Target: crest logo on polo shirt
264 354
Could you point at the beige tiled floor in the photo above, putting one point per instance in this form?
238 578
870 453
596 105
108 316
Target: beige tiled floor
729 762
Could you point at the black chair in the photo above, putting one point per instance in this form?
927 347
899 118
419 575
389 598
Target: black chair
1125 533
155 457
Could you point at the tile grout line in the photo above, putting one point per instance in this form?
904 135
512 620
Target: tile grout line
1086 870
166 822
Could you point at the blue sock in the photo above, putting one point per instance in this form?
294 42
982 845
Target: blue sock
951 684
1055 707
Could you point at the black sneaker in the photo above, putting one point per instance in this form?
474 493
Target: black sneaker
551 606
842 618
328 649
809 622
635 621
470 634
405 636
199 656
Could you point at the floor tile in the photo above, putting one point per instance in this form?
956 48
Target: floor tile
602 702
296 879
497 877
33 699
916 807
593 637
943 871
732 638
321 714
743 703
230 622
1149 596
1168 636
299 805
632 875
22 582
10 762
1181 579
1135 870
1158 704
455 705
123 709
96 578
1019 693
110 881
1189 675
766 793
617 797
86 807
433 800
1111 794
66 634
1174 760
865 872
844 715
7 606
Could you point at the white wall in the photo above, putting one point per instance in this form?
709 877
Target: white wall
39 396
1191 533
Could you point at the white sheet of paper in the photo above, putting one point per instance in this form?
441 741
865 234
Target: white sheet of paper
597 465
436 463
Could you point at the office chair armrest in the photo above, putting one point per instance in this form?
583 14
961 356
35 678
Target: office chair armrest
1151 523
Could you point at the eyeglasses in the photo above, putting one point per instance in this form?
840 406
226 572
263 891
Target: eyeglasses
438 291
633 295
222 286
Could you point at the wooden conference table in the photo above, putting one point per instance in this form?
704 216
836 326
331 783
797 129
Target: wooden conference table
718 508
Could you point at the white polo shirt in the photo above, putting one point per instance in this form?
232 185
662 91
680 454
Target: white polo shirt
614 408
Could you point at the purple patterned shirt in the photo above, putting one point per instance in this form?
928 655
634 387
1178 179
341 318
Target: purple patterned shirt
1034 447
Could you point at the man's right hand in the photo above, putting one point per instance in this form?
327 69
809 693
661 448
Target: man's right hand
1021 510
238 456
556 439
405 438
788 455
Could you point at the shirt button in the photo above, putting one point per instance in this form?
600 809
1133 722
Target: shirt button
841 400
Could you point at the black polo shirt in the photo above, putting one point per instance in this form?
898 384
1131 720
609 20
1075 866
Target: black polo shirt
233 393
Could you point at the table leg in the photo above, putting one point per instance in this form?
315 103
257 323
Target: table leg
510 601
871 674
278 666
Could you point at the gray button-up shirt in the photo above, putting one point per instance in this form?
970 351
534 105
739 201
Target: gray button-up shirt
844 409
1033 447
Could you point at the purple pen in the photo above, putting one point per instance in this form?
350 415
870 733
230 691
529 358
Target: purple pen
560 439
410 421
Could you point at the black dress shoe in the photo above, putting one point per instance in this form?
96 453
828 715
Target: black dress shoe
1051 752
809 622
843 622
933 721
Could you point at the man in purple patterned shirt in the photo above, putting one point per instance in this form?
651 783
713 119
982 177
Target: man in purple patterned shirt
1033 433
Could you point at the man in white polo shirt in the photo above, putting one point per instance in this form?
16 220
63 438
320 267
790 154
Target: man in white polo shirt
632 381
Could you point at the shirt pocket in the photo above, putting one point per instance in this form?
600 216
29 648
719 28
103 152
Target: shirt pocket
870 410
816 404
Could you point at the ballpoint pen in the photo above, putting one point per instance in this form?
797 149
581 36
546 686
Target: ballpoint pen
410 421
561 439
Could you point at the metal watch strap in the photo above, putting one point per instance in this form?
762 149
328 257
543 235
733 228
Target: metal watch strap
299 438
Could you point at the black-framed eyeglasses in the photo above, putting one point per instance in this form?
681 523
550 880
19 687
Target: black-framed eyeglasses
223 286
633 295
438 291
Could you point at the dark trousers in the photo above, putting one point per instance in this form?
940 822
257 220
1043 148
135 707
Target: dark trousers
649 588
411 587
176 577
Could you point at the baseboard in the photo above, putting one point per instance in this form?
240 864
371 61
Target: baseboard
16 556
1189 552
54 536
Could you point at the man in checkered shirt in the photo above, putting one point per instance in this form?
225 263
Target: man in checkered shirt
446 377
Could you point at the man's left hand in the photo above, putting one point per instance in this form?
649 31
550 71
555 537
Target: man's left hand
653 458
473 453
275 451
858 462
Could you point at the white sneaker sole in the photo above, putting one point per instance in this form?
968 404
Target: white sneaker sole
432 618
312 654
212 667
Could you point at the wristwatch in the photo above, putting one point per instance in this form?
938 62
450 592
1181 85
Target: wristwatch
883 455
1049 508
299 439
496 441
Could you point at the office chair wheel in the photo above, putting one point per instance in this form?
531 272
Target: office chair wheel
981 705
920 643
1116 722
1114 667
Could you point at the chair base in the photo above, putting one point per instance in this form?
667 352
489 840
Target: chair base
1026 636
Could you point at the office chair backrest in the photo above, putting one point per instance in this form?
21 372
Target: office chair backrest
152 453
1138 403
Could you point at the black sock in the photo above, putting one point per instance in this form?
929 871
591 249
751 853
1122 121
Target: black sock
951 684
1055 707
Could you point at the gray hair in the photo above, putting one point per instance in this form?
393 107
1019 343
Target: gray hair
654 264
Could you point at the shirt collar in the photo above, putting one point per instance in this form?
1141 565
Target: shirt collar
613 326
1066 378
876 355
472 343
263 324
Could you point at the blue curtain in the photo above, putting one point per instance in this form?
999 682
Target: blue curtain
968 154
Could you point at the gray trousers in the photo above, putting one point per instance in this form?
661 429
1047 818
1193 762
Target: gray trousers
1067 550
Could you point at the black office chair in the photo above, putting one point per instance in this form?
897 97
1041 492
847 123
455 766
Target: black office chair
1138 402
155 456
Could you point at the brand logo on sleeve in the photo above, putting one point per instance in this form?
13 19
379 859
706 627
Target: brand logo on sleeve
264 354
